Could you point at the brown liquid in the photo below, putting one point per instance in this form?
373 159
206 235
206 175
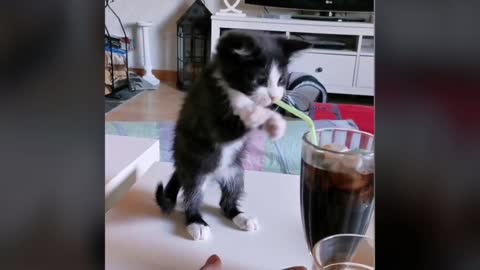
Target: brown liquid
334 203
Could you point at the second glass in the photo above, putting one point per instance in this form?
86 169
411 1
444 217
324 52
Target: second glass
345 252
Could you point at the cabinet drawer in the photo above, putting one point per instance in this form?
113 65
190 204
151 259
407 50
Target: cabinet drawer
327 68
366 72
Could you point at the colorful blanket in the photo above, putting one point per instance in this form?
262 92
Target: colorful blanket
282 156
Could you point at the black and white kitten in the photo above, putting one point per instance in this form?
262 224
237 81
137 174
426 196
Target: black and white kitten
231 98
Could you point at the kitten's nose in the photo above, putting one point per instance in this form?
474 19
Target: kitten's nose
275 98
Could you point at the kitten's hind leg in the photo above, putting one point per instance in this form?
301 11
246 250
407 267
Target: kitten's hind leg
193 197
232 190
167 198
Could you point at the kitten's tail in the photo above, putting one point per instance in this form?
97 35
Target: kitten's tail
167 198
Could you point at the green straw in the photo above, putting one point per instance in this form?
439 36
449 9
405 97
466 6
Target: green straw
304 117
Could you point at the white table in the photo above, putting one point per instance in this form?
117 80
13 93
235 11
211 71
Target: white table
126 160
138 236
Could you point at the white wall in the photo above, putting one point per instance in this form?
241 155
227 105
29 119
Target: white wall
163 14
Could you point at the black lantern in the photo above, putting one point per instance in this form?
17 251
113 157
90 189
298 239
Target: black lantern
193 43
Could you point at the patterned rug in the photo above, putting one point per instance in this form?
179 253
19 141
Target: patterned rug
282 156
138 83
119 98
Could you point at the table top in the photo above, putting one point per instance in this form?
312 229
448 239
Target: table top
138 236
121 151
126 159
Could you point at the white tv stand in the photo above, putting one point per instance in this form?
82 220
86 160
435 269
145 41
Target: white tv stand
347 71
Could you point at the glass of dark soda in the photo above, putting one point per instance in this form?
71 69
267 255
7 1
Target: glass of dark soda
337 183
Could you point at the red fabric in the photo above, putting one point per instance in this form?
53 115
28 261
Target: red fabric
325 111
363 116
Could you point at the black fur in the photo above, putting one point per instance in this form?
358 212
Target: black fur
206 121
245 72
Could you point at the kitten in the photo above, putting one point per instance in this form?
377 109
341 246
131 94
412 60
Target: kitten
231 98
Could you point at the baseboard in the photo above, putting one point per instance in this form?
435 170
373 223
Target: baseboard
162 75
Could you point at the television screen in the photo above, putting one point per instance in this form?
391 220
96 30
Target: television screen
321 5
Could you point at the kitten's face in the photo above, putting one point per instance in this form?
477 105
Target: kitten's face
256 65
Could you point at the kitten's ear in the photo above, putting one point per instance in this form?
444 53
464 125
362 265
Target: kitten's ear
244 48
242 51
291 46
237 44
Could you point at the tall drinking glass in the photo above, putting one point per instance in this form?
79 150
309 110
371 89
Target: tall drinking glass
337 183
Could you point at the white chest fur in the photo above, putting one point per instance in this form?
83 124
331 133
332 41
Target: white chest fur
228 154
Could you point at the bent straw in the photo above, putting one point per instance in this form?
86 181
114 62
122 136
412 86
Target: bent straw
304 117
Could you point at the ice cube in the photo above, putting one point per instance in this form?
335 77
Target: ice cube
332 161
357 160
351 162
350 181
335 147
367 165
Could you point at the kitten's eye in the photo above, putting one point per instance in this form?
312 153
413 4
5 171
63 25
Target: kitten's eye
261 80
282 81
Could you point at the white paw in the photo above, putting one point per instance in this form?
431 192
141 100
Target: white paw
256 116
246 223
198 231
275 126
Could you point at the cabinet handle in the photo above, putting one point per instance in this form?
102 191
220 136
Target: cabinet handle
319 69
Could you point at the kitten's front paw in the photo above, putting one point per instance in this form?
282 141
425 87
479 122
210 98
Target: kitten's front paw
198 231
246 223
275 126
255 116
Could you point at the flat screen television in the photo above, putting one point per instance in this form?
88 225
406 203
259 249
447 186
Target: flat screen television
320 5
